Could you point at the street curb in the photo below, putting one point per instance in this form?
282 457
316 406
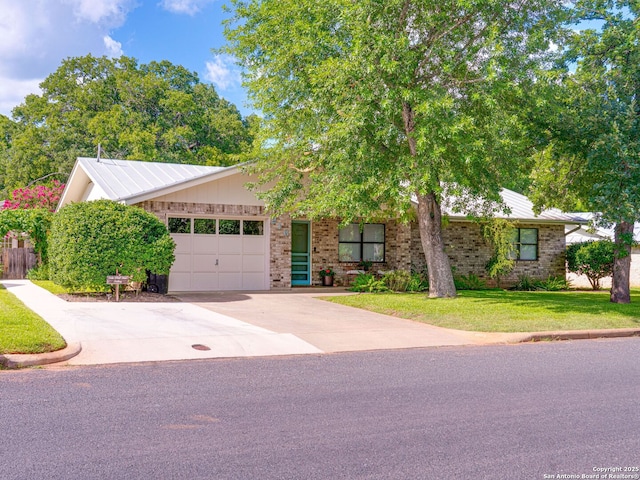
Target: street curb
21 360
579 335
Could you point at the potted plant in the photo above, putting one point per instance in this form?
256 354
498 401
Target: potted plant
327 274
365 265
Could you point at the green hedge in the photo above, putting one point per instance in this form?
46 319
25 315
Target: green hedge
91 240
593 259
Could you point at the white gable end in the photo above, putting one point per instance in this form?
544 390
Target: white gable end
230 190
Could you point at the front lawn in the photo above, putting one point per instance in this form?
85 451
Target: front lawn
505 311
22 331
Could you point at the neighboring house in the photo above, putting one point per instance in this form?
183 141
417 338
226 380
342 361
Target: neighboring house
584 233
227 241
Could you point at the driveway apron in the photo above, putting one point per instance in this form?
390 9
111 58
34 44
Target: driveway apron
328 326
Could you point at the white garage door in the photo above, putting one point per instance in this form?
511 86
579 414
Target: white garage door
215 254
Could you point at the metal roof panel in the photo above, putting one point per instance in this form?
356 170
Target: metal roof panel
123 179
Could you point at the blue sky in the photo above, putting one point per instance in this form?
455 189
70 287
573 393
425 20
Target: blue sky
36 35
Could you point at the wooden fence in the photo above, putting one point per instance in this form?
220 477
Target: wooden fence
17 262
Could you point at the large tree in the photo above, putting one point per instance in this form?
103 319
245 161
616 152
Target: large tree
156 111
370 103
592 123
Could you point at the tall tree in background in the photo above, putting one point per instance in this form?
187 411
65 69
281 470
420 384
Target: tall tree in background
158 111
593 125
370 103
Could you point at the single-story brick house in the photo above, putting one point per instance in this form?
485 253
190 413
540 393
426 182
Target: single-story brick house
227 241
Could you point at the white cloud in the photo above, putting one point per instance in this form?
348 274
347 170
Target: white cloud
114 49
189 7
97 11
13 92
38 34
221 72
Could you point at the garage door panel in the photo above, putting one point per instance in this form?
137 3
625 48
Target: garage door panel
253 263
230 281
182 263
205 244
180 282
183 243
253 281
230 263
204 263
253 245
205 281
230 244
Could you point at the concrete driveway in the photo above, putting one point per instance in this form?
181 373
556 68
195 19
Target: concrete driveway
229 324
331 327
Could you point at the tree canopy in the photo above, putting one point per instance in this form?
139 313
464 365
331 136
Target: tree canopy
369 104
156 111
592 126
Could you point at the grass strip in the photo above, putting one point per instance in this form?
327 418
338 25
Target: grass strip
505 311
22 330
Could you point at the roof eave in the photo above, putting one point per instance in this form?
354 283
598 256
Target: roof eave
545 221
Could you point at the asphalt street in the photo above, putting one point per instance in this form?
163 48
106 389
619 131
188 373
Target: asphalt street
528 411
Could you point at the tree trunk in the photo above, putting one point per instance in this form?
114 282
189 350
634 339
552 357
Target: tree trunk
622 263
430 223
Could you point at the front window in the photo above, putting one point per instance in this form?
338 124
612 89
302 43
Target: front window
366 243
525 243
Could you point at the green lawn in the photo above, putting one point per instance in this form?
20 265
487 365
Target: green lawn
22 331
505 311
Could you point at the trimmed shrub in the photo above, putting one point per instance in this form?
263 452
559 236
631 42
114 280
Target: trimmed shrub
366 282
91 240
397 281
553 284
418 283
469 282
404 281
593 259
41 272
525 283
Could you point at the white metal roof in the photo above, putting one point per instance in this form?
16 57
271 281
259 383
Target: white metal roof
127 180
519 206
589 233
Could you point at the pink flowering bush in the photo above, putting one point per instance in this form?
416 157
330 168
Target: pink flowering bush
38 196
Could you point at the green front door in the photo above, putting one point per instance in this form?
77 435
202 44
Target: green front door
300 253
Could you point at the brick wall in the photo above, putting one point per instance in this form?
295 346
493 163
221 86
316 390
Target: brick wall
280 248
469 253
164 209
324 248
